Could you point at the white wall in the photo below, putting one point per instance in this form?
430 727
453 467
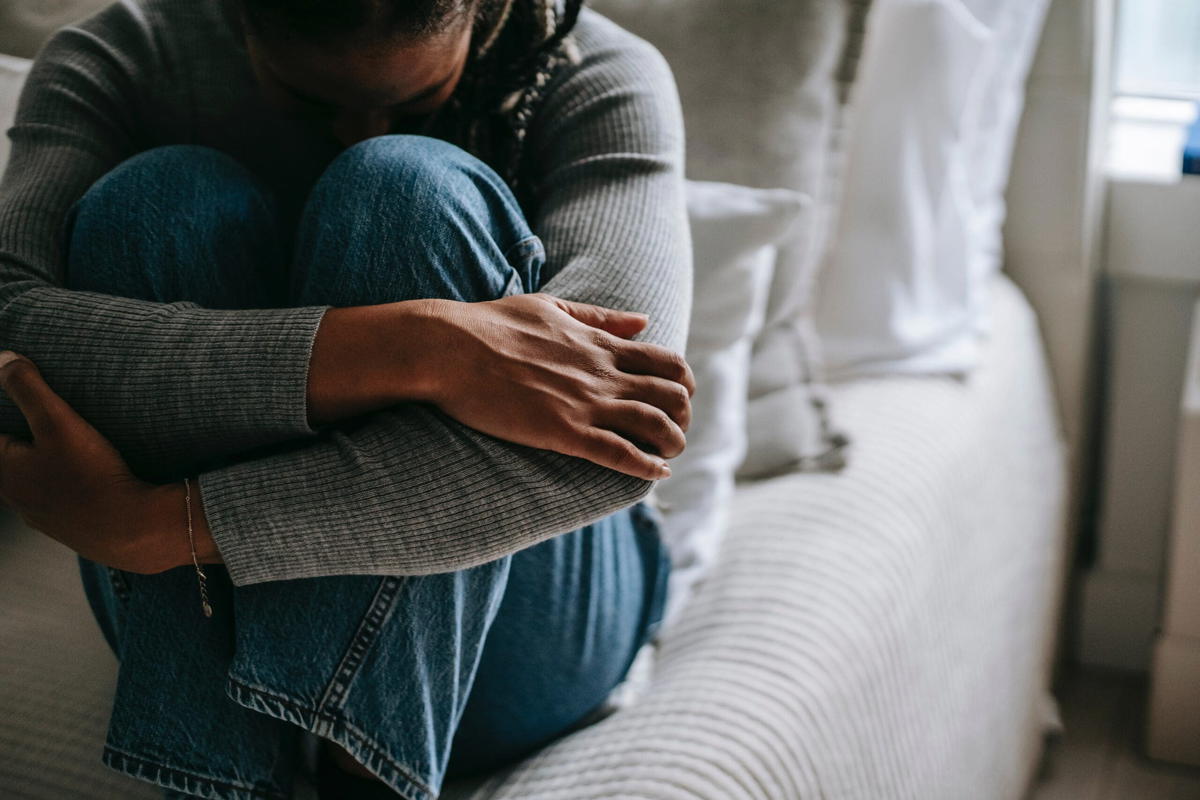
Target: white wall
1152 264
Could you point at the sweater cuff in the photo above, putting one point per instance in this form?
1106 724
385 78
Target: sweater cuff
272 352
240 549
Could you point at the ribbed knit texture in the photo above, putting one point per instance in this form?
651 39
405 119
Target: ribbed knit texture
409 491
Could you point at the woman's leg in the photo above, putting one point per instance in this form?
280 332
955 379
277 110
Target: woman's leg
431 221
407 217
180 223
576 611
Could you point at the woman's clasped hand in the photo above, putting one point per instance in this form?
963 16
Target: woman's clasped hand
563 376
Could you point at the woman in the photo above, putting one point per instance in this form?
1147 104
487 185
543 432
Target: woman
347 290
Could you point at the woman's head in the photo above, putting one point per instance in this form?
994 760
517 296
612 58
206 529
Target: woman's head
325 20
362 65
368 66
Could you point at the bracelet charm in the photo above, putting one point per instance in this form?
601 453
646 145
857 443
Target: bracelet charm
200 576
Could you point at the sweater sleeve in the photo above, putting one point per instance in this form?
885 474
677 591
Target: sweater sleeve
410 491
170 384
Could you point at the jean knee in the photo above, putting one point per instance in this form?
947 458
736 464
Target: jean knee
174 209
167 183
422 204
412 164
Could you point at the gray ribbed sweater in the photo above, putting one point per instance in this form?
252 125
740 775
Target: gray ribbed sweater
410 491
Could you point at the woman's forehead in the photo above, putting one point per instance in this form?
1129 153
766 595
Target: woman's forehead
360 73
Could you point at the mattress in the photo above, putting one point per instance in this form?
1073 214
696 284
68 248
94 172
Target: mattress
880 633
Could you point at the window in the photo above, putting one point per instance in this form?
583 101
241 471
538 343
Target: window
1156 88
1158 48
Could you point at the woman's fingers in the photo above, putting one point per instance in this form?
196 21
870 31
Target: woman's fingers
643 358
670 396
42 408
646 425
611 450
619 323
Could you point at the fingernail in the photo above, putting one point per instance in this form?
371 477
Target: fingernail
665 471
7 357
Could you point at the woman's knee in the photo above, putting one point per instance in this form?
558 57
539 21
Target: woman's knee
409 167
177 222
443 215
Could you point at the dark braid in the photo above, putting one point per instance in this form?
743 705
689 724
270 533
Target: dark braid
517 49
520 47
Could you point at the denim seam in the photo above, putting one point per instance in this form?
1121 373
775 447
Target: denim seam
515 284
647 522
531 243
327 717
182 780
119 584
368 631
336 728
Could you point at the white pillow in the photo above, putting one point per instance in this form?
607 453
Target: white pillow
12 77
734 233
939 98
893 293
1016 27
762 84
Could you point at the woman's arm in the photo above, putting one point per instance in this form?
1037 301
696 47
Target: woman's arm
172 385
169 384
410 491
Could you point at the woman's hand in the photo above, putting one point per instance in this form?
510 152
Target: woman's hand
531 369
562 376
71 484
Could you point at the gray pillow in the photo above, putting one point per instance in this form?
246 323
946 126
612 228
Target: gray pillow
25 24
12 77
764 84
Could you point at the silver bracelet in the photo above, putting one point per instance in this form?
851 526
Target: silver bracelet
200 576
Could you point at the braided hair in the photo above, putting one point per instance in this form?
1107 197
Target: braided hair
520 46
517 48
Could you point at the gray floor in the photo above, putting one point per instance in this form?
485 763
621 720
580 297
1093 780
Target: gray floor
1099 756
54 667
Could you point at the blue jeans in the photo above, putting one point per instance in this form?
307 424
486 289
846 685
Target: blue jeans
419 678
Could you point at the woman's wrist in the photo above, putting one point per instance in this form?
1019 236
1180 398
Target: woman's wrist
370 357
164 540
